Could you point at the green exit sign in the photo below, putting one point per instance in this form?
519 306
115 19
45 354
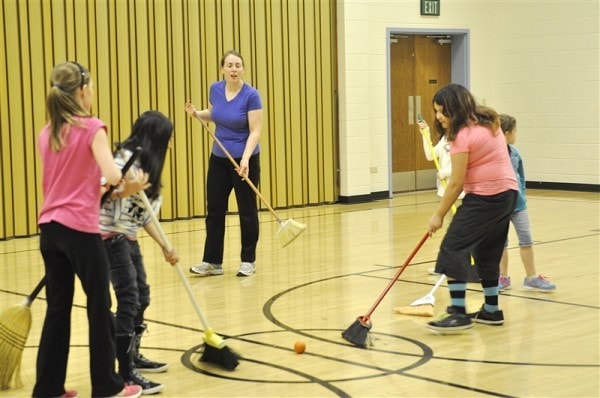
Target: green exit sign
430 7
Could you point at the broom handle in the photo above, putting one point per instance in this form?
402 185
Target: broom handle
389 286
36 291
124 171
237 166
165 241
438 283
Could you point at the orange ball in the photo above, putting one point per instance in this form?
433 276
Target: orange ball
299 347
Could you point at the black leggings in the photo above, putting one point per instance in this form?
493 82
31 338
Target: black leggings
221 180
67 253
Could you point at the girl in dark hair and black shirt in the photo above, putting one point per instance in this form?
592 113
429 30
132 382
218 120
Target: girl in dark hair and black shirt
120 220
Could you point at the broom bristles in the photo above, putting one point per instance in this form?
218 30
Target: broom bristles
358 332
220 356
418 310
15 323
288 231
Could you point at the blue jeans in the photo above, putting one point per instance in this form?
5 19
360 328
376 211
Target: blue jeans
128 278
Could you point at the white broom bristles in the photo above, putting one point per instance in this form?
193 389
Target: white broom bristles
15 323
288 231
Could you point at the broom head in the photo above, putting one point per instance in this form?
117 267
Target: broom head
215 351
358 332
418 310
223 357
288 231
15 323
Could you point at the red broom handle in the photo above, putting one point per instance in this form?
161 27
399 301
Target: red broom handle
402 268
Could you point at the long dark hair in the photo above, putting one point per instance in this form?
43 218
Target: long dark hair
151 131
459 105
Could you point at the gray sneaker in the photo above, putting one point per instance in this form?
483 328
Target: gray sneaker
246 269
207 269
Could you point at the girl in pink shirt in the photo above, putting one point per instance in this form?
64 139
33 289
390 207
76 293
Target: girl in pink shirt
481 167
75 154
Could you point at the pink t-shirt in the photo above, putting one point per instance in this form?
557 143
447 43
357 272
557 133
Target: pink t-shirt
489 170
71 178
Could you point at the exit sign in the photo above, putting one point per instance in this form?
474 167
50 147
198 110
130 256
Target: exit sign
430 7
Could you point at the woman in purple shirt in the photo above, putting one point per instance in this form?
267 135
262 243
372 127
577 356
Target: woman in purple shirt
236 109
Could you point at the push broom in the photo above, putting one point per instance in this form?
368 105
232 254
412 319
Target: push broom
215 350
15 322
357 332
289 229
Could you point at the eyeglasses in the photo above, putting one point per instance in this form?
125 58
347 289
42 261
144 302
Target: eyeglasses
82 71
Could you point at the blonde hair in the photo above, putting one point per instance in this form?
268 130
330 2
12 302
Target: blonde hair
61 104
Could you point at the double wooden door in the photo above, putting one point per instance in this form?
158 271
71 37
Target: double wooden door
420 66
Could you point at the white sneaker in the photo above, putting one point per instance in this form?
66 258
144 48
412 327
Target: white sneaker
246 269
207 269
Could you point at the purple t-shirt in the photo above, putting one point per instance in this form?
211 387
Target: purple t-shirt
231 118
71 177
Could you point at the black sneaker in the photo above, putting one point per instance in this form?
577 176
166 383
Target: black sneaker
148 387
495 318
451 322
144 365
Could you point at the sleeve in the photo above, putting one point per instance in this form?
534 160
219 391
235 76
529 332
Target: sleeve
426 148
254 102
460 143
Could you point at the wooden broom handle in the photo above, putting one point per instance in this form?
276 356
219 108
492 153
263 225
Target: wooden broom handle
167 245
237 166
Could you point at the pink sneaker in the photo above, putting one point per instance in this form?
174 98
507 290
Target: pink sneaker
70 394
503 283
133 391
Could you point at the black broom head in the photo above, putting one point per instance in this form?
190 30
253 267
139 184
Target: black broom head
220 356
357 332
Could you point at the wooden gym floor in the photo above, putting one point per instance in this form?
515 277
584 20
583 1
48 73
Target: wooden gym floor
315 288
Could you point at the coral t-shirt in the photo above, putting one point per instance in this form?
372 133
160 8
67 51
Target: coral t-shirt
489 170
71 177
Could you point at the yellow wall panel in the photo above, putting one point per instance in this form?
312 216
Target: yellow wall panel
6 227
16 177
156 55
